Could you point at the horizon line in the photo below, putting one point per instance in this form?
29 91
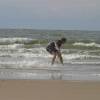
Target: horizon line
55 29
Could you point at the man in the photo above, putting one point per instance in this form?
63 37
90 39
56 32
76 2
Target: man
54 49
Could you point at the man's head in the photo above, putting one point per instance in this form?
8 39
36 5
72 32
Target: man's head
63 40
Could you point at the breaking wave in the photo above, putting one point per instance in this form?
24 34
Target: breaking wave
86 44
14 40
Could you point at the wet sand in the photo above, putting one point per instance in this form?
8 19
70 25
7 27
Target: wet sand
49 90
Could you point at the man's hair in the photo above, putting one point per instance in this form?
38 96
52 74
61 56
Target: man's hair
63 39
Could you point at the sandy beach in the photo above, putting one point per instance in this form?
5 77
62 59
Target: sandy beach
49 90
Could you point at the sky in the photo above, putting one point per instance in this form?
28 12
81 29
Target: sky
50 14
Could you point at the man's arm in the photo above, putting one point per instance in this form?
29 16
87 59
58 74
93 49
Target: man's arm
56 46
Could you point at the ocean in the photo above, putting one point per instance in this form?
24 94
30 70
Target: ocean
23 54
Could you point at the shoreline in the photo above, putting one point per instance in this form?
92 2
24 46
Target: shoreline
48 74
49 90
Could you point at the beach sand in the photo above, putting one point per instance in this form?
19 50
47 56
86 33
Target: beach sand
49 90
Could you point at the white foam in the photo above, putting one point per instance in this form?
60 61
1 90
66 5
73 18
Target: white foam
86 62
79 56
23 57
74 56
25 63
11 46
86 44
13 40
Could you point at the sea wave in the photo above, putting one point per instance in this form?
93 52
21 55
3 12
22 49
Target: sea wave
14 40
43 62
86 62
80 56
18 50
5 41
86 44
11 46
42 59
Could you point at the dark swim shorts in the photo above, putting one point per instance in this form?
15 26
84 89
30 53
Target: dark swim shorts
51 48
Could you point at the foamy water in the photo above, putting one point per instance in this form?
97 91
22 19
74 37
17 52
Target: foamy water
86 44
17 56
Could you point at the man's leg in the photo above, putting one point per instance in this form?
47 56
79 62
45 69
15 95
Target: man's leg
60 57
54 57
